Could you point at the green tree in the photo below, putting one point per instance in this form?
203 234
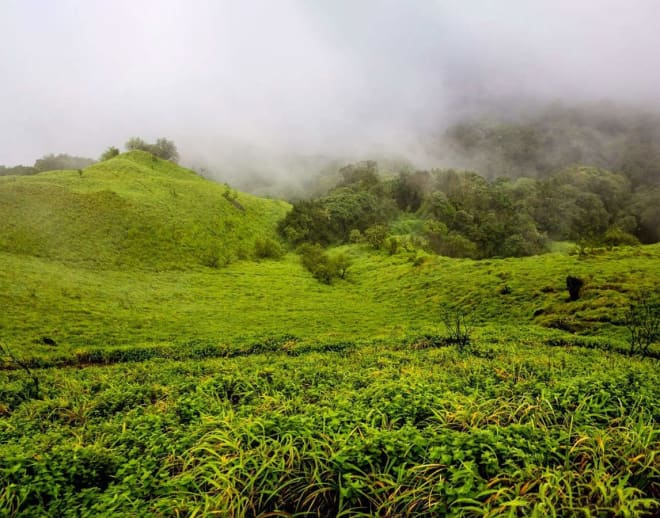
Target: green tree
109 153
163 148
62 161
376 235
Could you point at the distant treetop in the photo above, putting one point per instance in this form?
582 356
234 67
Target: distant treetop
163 148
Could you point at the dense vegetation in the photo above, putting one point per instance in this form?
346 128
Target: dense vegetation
462 214
546 139
48 163
163 354
342 429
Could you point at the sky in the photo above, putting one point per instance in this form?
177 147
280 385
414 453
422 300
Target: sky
253 81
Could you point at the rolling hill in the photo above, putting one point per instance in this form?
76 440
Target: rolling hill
151 365
134 211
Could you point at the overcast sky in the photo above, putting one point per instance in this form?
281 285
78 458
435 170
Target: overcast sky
250 77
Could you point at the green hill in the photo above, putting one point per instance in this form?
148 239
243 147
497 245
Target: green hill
134 381
133 211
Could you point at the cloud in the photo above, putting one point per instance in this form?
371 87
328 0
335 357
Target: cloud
239 83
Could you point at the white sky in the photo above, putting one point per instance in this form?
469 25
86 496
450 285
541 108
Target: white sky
251 77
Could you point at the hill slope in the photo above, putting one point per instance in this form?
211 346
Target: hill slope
133 211
383 297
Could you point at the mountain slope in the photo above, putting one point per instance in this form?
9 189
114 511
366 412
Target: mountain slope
133 211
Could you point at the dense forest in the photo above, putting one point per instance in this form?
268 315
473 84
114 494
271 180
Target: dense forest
463 214
589 174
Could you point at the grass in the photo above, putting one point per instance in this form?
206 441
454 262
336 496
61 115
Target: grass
374 430
134 211
383 297
177 387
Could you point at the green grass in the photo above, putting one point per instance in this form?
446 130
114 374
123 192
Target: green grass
383 297
372 430
180 387
131 212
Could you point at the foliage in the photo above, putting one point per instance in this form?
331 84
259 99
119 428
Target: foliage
617 237
61 162
559 136
642 319
427 432
109 153
267 248
376 235
163 148
341 264
316 260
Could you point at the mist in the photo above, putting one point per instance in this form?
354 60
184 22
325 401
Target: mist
274 89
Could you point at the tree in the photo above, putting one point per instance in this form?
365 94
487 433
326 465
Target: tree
62 161
340 264
376 235
315 259
166 149
109 153
163 148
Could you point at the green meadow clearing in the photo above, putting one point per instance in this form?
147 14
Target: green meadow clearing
152 365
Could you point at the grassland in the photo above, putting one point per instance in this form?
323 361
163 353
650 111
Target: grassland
133 211
177 386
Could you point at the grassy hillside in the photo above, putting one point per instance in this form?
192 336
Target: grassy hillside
138 378
383 297
133 211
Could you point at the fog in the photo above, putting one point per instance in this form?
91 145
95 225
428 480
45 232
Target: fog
247 87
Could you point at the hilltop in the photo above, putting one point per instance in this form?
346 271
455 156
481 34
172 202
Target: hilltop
133 211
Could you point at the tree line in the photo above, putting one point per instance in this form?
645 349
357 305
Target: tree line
464 214
162 148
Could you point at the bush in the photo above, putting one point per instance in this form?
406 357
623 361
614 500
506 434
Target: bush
459 327
267 248
109 153
574 286
341 264
315 259
617 237
643 322
355 236
392 245
163 148
376 235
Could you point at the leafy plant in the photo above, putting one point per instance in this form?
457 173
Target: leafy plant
33 390
642 319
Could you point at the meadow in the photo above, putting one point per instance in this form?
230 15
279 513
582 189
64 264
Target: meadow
146 380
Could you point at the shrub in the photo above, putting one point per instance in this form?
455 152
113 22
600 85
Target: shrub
574 286
267 248
376 235
617 237
341 264
109 153
459 327
355 236
392 245
642 319
315 259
